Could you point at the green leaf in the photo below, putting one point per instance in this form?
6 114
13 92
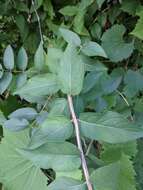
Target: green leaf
5 81
67 183
53 129
21 79
75 174
71 71
109 127
68 10
113 152
90 80
93 49
133 83
59 107
8 58
15 124
22 59
114 45
70 37
39 58
17 172
110 84
138 28
60 156
53 59
26 113
40 85
116 176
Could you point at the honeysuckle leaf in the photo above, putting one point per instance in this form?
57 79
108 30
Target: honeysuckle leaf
40 85
71 71
59 106
53 129
53 59
114 45
26 113
8 58
22 59
75 174
109 127
21 80
5 81
15 124
133 83
93 49
39 58
70 37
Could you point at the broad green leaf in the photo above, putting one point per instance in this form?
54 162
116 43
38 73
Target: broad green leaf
40 85
109 127
93 49
68 10
60 156
138 28
8 58
26 113
5 81
22 59
53 59
70 37
110 84
67 183
39 58
15 124
133 83
75 174
53 129
90 80
71 71
21 80
113 152
17 172
119 175
114 45
59 107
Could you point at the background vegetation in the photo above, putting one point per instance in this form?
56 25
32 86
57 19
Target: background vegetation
105 77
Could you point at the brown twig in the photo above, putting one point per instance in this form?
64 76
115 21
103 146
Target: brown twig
83 160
